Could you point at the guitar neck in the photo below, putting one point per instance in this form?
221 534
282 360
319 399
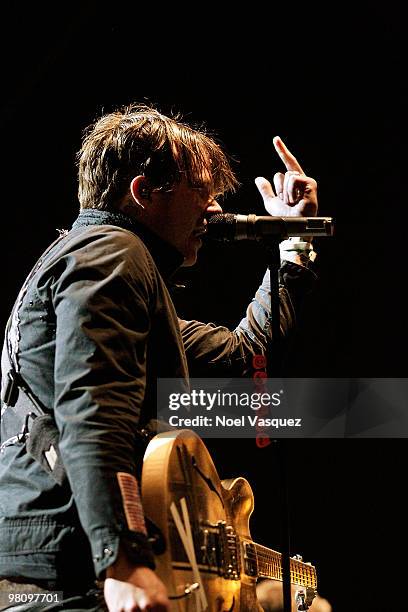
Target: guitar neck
269 564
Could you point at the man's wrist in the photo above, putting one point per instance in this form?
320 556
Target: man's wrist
297 250
120 569
123 568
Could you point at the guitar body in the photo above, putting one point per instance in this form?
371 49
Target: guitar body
178 466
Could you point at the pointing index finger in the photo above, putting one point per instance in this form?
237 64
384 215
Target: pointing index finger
286 156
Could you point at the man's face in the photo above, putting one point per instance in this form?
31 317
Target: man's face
179 217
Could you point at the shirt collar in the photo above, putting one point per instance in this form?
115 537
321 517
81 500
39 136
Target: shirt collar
166 257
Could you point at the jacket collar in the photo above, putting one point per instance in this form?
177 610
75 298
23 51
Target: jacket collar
166 257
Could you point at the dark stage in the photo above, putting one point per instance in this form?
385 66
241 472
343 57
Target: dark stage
332 83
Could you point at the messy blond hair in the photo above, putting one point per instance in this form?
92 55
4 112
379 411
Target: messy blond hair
139 140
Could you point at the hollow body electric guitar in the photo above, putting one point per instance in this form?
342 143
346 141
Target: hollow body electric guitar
200 531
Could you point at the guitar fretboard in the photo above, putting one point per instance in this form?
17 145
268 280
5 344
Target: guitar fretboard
269 564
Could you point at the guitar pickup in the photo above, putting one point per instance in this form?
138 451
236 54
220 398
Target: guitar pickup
250 559
229 552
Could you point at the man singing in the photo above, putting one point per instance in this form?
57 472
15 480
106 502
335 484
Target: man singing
92 329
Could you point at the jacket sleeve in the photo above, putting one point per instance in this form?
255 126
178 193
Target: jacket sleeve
101 302
216 351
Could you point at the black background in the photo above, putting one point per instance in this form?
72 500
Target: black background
332 83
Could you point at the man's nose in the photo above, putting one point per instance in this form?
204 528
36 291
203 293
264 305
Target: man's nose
213 207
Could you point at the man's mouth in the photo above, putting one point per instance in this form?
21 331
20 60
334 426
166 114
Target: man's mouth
200 231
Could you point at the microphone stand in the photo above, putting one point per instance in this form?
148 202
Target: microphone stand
231 226
274 358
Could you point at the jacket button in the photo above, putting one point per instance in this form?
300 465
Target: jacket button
108 552
97 558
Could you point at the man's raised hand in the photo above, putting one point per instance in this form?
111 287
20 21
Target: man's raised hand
296 193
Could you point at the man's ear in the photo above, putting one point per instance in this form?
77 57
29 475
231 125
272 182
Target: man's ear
139 188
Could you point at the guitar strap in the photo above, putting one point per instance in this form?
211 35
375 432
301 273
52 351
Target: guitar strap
36 427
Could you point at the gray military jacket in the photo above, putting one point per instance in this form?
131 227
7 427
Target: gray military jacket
92 331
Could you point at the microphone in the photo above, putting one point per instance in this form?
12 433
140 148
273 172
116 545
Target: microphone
229 227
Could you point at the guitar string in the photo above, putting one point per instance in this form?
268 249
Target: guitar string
276 558
274 572
305 572
273 558
260 550
267 556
